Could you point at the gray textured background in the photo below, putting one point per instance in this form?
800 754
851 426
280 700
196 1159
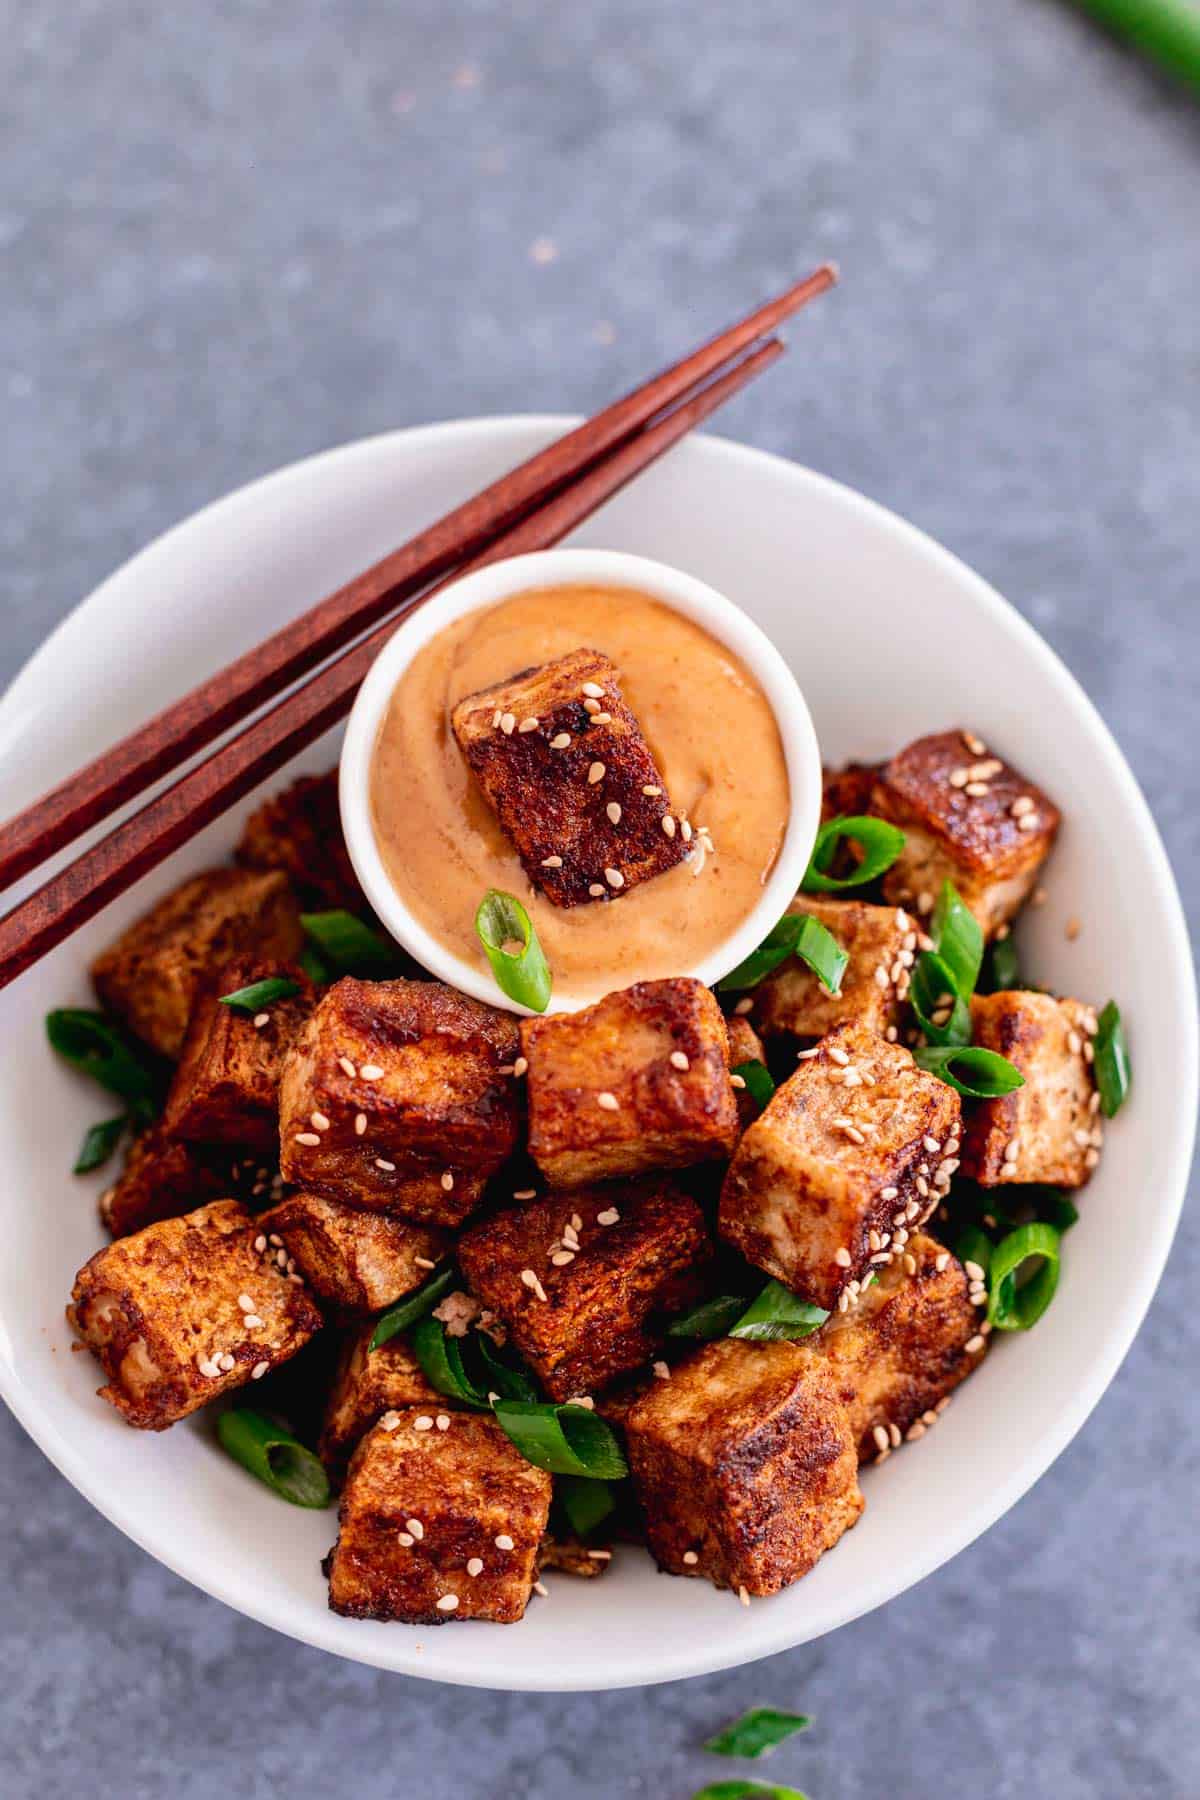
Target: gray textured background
236 234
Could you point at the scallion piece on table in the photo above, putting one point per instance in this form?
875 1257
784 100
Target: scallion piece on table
979 1074
957 939
524 974
260 994
585 1503
931 991
797 934
269 1451
711 1319
562 1439
99 1142
348 947
441 1360
414 1306
742 1788
95 1046
879 842
778 1314
1014 1306
757 1732
757 1081
1113 1073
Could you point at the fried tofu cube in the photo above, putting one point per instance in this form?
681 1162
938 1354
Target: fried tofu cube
151 976
164 1312
969 818
226 1086
846 793
744 1465
899 1354
638 1081
745 1046
438 1525
577 791
357 1261
161 1179
585 1281
1049 1130
299 830
367 1384
399 1096
881 943
849 1154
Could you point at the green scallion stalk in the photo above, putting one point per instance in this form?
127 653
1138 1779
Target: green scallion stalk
796 934
524 975
711 1319
1053 1207
880 843
778 1314
979 1074
270 1452
931 989
346 946
1014 1306
1001 967
497 1375
957 939
91 1043
585 1502
1167 31
973 1245
1113 1073
757 1081
98 1144
758 1732
414 1306
260 994
742 1788
441 1360
562 1439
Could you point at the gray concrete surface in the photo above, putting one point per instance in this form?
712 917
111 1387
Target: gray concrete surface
235 234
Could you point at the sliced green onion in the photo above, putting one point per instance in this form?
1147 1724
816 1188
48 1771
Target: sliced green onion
348 947
1054 1207
711 1319
979 1074
95 1046
585 1503
757 1732
1002 968
523 975
797 934
563 1439
315 967
1113 1073
252 999
414 1306
757 1081
499 1375
776 1314
441 1360
742 1788
973 1245
99 1142
932 984
269 1451
1013 1306
879 842
957 939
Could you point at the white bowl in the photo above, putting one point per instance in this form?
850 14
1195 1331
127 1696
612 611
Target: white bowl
891 637
564 568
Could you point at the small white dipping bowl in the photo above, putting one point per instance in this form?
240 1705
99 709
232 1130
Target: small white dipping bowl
560 568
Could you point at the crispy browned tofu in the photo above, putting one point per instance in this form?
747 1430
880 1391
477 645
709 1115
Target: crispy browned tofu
150 977
745 1046
899 1354
367 1384
744 1464
638 1081
846 793
1051 1129
577 790
586 1280
571 1556
161 1179
357 1261
969 818
399 1096
299 830
226 1087
849 1155
184 1311
438 1525
881 942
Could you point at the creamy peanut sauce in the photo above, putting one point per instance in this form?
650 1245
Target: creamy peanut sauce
710 729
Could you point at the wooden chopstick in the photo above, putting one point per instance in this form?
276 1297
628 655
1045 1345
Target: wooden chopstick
73 896
228 698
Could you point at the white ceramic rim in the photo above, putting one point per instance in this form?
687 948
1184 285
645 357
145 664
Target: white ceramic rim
773 1631
489 586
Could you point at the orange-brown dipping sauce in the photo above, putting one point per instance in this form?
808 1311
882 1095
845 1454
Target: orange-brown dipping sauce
712 733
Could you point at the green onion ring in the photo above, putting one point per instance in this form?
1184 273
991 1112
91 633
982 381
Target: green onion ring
1022 1306
562 1439
979 1074
278 1459
879 841
525 976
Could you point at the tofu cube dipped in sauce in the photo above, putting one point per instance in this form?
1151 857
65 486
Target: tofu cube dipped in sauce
161 1178
151 976
1051 1129
368 1383
899 1354
185 1310
744 1464
881 942
586 1280
399 1096
438 1525
564 765
638 1081
969 818
355 1261
851 1153
226 1085
299 831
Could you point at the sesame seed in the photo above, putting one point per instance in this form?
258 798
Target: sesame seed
424 1262
442 1421
226 1362
977 789
1020 806
252 1322
1092 1159
261 1019
496 718
842 1258
308 1138
416 1527
347 1067
259 1370
881 976
737 1081
508 723
1028 822
524 1193
614 878
560 741
260 1243
319 1122
914 1432
503 1542
597 890
959 778
1074 1043
360 1123
370 1072
405 1538
245 1302
542 1591
662 1371
447 1603
608 1102
1073 929
614 812
691 1557
974 1343
838 1055
593 690
576 1222
881 1438
910 1263
889 1193
561 1258
521 1065
668 824
207 1366
475 1566
424 1423
685 831
652 793
381 1162
932 1145
679 1060
531 1281
591 706
974 1270
552 862
747 1006
528 725
974 744
609 1216
595 773
743 1596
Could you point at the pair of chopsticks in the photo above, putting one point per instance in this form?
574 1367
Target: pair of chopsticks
533 506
